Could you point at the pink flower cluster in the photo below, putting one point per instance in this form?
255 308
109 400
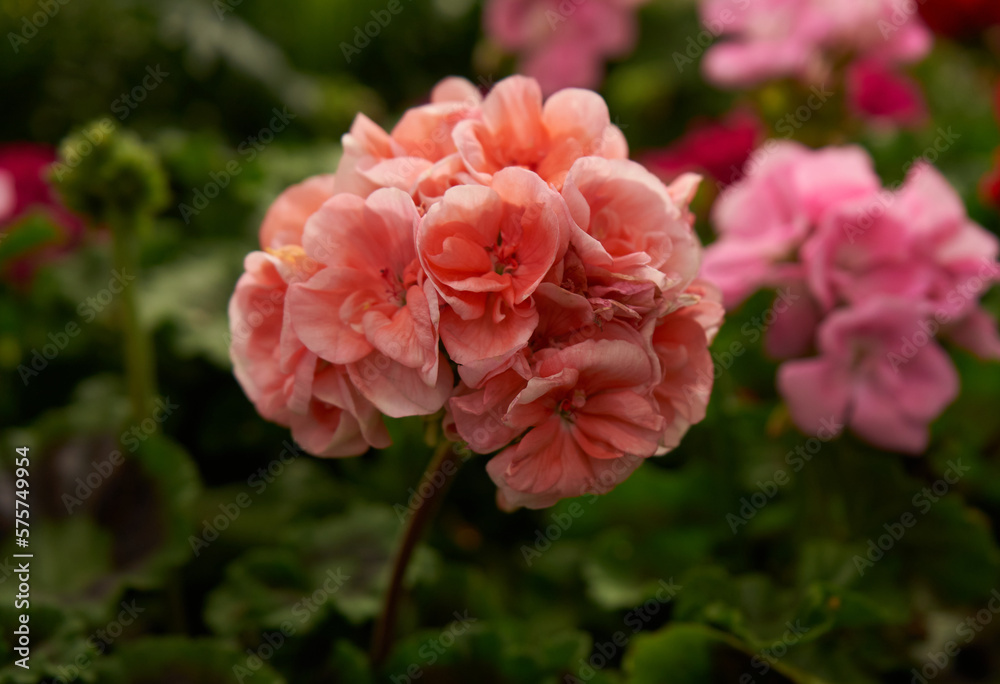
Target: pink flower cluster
508 239
805 39
563 43
870 277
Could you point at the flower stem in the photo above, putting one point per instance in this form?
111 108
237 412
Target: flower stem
138 350
442 468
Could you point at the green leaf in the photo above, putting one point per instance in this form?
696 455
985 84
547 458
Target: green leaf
681 654
192 661
27 234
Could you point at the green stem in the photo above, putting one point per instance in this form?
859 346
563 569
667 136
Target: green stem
442 468
138 350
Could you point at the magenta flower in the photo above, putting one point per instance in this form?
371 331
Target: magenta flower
24 188
876 92
718 148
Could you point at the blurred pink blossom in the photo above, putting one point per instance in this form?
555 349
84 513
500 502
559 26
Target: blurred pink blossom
765 218
805 39
563 43
867 378
863 273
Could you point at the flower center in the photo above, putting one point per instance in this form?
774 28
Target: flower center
568 406
503 256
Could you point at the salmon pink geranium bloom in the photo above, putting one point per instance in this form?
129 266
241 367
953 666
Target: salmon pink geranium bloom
486 249
287 383
506 237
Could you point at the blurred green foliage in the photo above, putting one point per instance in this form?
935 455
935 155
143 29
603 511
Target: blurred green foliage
299 554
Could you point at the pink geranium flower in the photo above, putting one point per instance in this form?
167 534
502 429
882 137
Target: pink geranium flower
517 129
766 217
804 39
918 243
486 250
842 253
869 379
288 384
372 305
624 284
587 408
558 276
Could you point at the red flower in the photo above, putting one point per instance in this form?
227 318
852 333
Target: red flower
989 186
719 148
24 188
877 92
959 18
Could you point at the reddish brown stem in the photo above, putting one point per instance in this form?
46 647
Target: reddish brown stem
442 468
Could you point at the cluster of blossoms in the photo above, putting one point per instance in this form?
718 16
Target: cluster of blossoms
510 241
563 43
873 274
806 39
